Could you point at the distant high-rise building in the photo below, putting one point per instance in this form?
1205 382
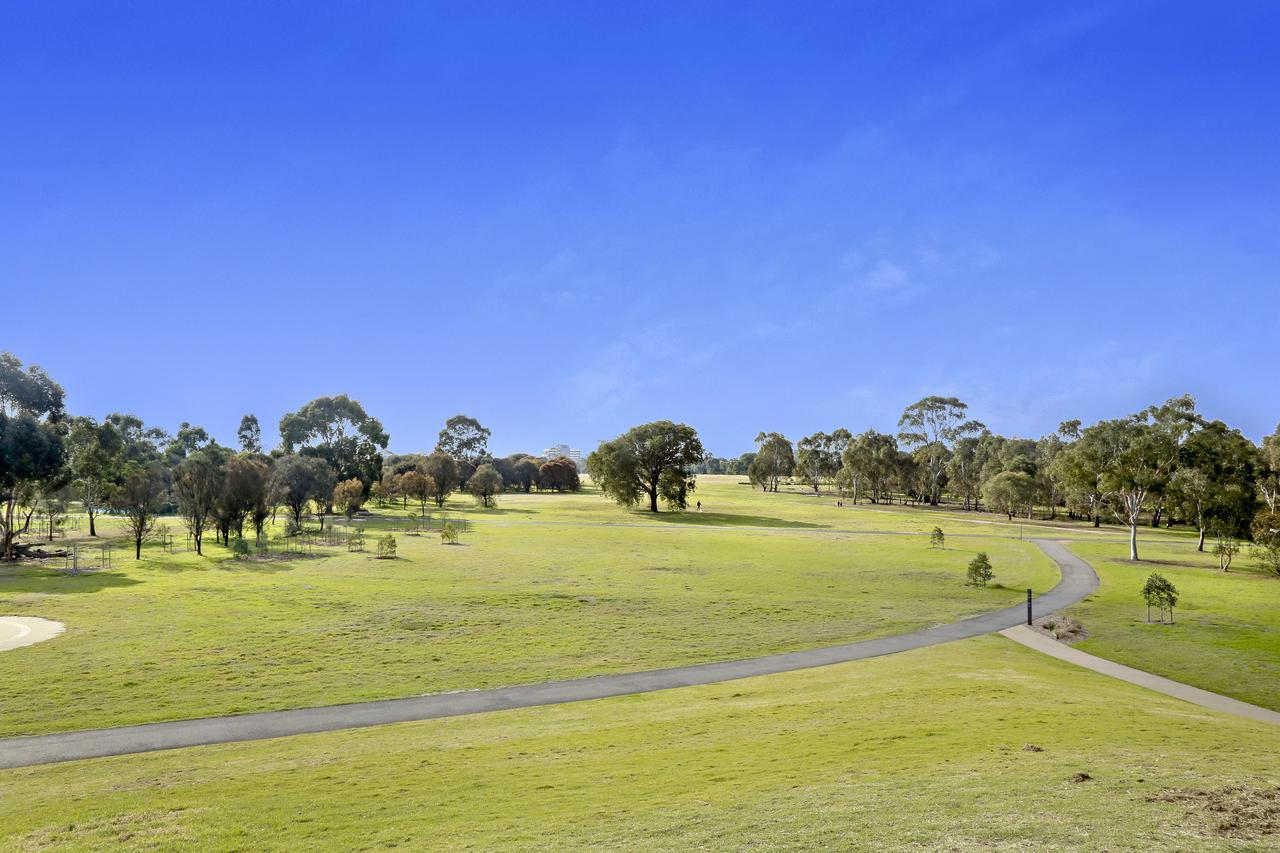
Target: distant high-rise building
562 450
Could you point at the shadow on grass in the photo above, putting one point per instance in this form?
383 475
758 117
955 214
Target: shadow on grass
59 582
724 519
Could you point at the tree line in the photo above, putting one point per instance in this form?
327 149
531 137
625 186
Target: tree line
1167 464
331 458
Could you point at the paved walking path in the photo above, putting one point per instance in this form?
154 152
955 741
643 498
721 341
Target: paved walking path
1078 580
1041 643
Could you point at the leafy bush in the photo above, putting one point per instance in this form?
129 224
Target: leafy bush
937 539
240 547
448 534
1160 593
387 547
980 572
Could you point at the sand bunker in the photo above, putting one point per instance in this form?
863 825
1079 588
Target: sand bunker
19 631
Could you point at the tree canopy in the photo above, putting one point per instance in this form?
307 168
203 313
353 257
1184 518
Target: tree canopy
339 431
653 460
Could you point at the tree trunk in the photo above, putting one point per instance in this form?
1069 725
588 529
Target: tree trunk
653 500
1200 545
1133 540
92 530
137 548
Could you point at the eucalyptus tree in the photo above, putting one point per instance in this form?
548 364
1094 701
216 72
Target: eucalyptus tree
348 497
964 470
1010 492
186 441
250 434
198 484
32 450
143 489
1213 484
339 431
774 460
445 477
1136 456
486 484
1269 475
243 495
869 463
296 481
1050 486
1172 424
931 427
96 459
817 458
465 439
653 460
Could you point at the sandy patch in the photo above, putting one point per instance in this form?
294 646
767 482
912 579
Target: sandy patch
19 631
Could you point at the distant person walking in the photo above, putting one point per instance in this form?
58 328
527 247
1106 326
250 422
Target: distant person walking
699 506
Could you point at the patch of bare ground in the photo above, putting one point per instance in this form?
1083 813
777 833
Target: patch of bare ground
1243 812
1064 629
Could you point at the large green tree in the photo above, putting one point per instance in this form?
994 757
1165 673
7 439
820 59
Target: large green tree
818 456
339 431
653 460
198 484
1213 486
774 459
138 499
869 463
931 427
250 434
485 485
297 480
32 450
1010 492
96 459
465 439
1269 473
443 472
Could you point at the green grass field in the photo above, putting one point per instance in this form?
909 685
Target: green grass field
923 750
177 636
1226 633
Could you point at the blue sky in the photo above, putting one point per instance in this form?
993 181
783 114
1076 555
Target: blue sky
744 216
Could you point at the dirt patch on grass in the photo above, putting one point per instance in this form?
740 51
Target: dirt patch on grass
1236 811
1064 629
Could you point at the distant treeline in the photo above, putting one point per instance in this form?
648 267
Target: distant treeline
330 458
1167 464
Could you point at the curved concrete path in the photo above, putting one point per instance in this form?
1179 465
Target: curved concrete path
19 631
1078 580
1216 701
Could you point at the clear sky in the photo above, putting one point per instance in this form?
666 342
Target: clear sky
790 216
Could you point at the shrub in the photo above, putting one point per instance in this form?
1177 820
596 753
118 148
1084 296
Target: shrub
1158 592
387 547
980 572
448 534
937 539
240 547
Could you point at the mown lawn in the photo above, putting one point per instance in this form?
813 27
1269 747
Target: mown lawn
922 750
1226 633
177 636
